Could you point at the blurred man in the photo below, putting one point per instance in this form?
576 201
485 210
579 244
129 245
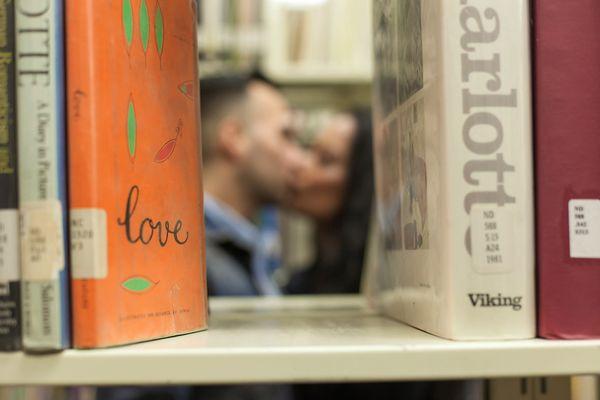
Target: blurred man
251 160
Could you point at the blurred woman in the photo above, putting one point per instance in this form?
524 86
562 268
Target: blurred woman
336 190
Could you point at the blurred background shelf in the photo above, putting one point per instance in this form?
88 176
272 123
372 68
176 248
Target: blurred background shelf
319 42
300 339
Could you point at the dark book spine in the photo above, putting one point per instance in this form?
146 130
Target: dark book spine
567 75
10 319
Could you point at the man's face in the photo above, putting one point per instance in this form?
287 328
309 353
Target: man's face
272 159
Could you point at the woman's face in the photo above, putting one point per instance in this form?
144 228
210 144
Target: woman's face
321 186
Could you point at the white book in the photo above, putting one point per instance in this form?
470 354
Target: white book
42 174
454 166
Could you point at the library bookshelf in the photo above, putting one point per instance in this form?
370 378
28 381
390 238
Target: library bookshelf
300 339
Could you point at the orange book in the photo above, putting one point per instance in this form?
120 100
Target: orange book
137 234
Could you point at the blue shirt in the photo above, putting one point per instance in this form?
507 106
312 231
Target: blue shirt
239 257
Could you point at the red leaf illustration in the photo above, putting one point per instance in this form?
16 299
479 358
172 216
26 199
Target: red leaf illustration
165 151
187 89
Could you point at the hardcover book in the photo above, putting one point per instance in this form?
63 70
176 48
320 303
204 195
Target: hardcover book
452 113
42 174
137 237
10 298
567 109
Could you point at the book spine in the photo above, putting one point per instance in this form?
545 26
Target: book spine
567 89
83 151
42 177
487 97
10 299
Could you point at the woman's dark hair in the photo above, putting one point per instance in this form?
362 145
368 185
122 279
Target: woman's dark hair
341 244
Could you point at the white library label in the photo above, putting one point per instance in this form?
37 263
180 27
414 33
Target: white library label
491 246
42 240
9 245
584 228
88 243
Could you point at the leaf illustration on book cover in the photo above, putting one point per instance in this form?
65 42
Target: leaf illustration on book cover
131 129
127 15
138 284
159 29
187 88
167 149
144 25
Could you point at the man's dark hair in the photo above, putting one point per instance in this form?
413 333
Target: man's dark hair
222 96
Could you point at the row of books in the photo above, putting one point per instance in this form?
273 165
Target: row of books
315 34
229 35
101 237
483 234
229 13
318 40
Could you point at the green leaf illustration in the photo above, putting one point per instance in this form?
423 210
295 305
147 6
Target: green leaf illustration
128 21
131 129
144 25
138 284
159 29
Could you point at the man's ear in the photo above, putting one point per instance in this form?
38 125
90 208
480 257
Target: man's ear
231 140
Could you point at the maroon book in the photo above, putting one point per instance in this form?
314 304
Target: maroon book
567 106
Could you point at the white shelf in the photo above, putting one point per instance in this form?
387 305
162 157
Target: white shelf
314 339
316 74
